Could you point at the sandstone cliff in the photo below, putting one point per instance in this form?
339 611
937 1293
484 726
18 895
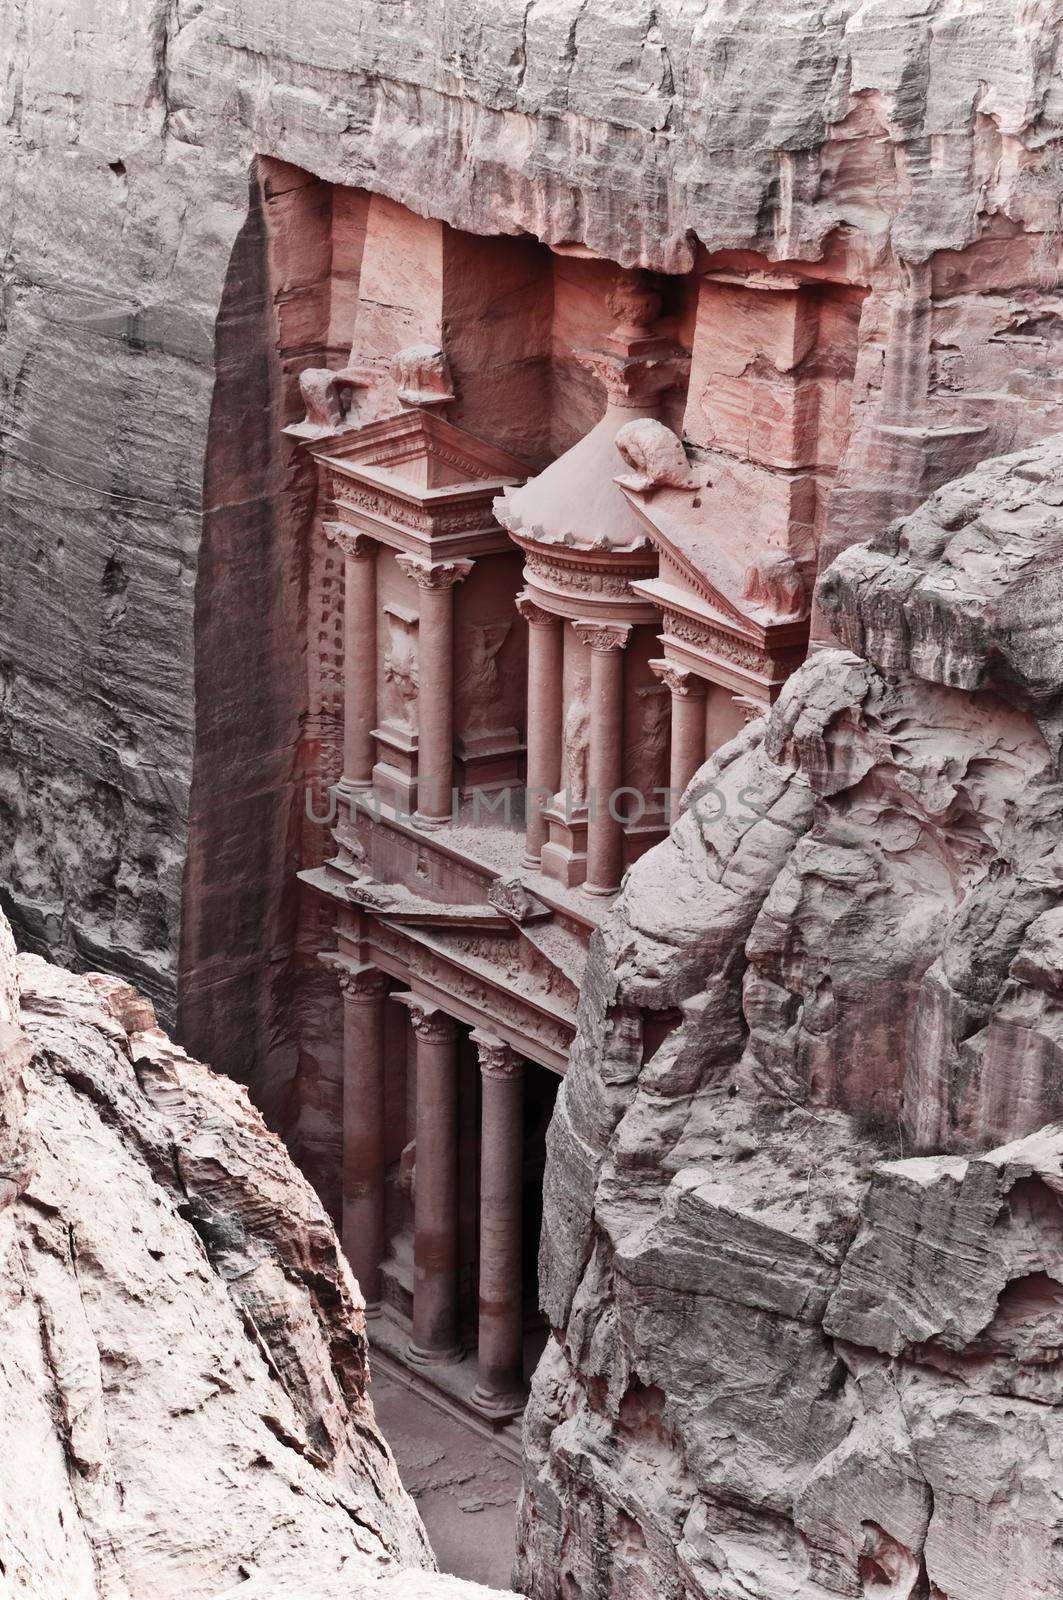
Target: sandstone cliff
183 1406
805 1261
154 604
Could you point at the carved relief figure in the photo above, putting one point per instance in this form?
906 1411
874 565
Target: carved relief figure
649 745
773 583
422 375
400 670
481 679
655 455
329 396
575 740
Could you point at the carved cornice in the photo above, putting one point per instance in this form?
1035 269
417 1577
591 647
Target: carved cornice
434 574
604 638
355 546
683 683
498 1060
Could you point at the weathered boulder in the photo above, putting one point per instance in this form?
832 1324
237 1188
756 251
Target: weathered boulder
183 1400
807 1319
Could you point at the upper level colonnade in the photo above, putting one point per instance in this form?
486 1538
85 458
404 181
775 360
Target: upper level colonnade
559 649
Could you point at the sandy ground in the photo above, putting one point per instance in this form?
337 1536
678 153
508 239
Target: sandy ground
465 1491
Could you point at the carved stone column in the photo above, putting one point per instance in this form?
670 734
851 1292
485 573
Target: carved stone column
688 693
364 992
435 1204
435 704
500 1382
546 644
605 834
359 653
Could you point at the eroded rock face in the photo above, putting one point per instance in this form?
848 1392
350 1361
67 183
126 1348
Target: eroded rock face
155 604
183 1406
803 1258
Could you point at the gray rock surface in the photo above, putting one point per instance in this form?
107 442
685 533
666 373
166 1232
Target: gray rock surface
804 1264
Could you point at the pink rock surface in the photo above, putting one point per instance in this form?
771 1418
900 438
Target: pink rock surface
804 1259
183 1405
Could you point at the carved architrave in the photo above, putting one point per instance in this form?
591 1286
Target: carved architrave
681 681
498 1060
355 546
717 642
420 963
383 506
603 637
588 577
434 574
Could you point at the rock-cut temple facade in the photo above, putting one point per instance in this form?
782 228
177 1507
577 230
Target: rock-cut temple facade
537 657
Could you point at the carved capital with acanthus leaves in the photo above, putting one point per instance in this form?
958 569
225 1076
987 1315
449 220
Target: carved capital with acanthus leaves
429 1022
355 546
534 614
681 681
434 574
358 984
498 1060
604 638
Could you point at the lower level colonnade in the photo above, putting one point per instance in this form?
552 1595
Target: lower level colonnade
437 1328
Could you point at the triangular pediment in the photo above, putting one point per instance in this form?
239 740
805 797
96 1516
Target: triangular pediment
681 538
424 452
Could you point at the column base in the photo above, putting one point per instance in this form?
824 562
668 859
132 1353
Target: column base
532 863
434 1358
373 1309
499 1406
430 824
596 889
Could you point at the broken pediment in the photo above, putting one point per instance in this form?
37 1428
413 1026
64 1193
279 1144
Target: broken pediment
422 453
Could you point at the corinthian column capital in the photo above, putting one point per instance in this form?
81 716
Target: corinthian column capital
534 614
680 680
429 1022
434 574
355 546
603 637
497 1059
361 983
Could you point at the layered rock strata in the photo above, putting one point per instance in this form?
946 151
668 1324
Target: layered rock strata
183 1406
155 603
804 1261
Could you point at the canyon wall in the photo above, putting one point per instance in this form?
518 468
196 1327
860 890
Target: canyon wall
170 179
804 1259
183 1405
